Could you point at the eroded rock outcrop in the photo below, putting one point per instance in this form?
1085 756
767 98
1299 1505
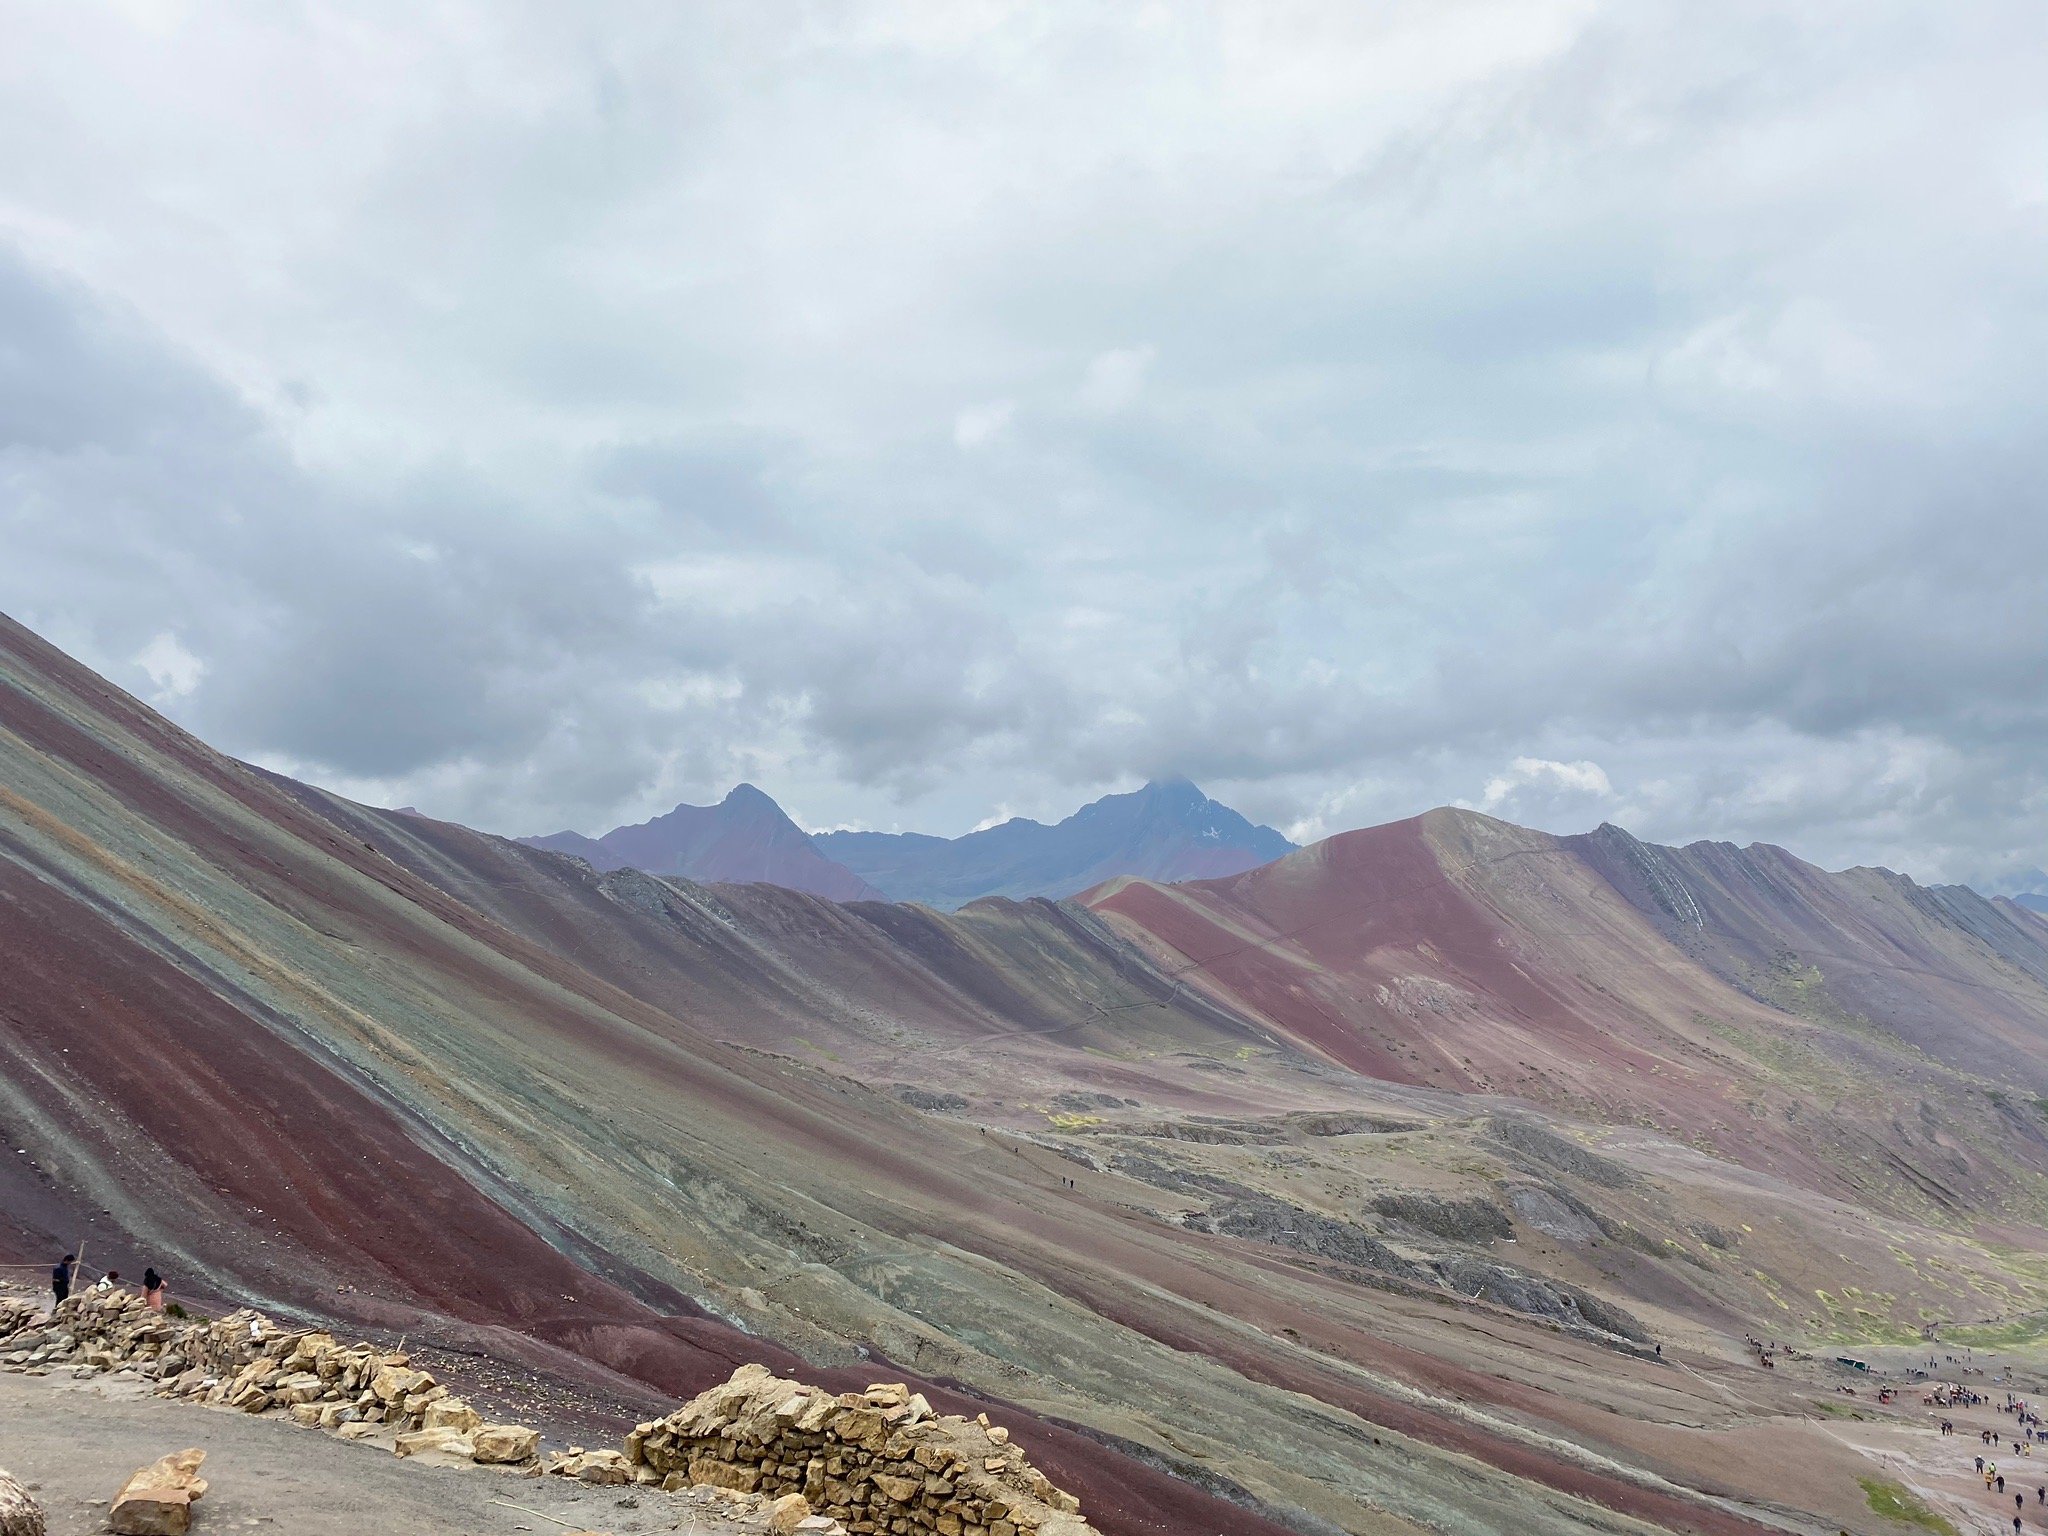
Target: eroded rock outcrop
880 1462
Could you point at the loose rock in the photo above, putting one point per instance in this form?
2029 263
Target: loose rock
157 1501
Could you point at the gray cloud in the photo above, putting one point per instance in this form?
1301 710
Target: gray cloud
541 416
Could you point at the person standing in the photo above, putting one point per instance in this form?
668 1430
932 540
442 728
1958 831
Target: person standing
60 1277
153 1289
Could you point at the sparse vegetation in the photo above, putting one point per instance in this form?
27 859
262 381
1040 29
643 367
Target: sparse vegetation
2016 1334
1895 1501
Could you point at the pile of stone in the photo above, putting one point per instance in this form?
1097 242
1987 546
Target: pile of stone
880 1462
247 1362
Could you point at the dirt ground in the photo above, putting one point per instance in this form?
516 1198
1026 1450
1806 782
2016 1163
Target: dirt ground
74 1443
1942 1468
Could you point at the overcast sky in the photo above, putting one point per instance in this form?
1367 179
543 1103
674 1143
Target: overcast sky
545 413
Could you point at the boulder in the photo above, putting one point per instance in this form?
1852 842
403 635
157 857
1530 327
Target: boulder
304 1387
427 1442
450 1413
903 1490
157 1501
788 1513
605 1468
504 1444
19 1514
393 1383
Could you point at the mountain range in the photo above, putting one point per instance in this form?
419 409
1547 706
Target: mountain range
746 838
1426 1178
1614 978
1168 830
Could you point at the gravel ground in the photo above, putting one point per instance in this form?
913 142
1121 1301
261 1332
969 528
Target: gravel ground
75 1442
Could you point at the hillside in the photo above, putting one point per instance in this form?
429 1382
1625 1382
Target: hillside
744 839
1959 976
1226 1265
1168 830
1854 1032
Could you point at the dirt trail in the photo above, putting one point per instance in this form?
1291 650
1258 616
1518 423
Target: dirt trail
74 1442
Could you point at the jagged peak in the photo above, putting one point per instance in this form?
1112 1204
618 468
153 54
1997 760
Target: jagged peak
745 796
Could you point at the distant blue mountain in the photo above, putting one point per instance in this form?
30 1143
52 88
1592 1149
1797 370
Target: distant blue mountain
1169 830
745 838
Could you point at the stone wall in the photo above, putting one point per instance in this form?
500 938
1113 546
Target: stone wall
246 1361
880 1462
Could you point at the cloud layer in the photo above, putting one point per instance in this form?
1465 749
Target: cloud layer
545 414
